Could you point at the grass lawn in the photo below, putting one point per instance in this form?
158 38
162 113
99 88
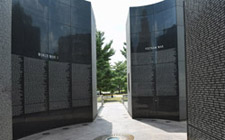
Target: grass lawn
99 99
125 99
114 99
107 98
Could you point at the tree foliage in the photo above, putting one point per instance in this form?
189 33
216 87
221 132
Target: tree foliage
119 79
104 73
124 50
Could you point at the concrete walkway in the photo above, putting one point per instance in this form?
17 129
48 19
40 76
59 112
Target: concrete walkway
114 119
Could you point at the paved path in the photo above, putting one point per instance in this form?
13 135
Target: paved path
114 119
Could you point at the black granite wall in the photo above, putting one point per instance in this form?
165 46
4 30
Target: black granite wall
5 70
51 64
154 62
205 53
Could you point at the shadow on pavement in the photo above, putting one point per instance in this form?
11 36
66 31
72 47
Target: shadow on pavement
166 125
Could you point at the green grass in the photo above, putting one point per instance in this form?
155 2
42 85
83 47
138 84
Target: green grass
99 99
114 99
125 99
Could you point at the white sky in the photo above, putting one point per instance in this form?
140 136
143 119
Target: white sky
111 17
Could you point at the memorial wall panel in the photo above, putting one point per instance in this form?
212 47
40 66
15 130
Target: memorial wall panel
81 37
81 85
52 68
205 49
83 19
154 60
59 85
166 79
59 41
167 56
142 58
38 8
6 71
61 16
17 85
35 85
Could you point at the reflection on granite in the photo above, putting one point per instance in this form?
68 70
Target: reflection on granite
51 64
153 61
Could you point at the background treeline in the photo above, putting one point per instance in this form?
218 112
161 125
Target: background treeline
110 77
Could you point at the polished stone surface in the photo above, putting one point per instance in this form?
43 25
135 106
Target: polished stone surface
155 67
205 63
94 66
114 119
5 70
53 64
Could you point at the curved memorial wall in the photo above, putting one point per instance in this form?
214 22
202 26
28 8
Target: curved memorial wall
205 22
53 64
156 71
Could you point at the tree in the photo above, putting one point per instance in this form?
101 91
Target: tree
124 50
104 73
119 76
124 53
